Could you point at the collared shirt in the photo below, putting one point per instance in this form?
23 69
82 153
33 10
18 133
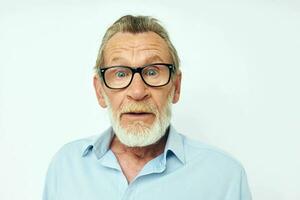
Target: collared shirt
87 169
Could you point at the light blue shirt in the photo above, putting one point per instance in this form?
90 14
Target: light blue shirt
87 169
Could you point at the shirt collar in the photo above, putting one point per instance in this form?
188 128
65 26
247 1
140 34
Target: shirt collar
175 145
100 145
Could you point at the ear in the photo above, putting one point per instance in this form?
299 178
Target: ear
177 84
99 91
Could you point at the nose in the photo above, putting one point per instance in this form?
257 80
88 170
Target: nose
137 90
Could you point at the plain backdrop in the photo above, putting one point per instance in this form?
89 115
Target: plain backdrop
240 87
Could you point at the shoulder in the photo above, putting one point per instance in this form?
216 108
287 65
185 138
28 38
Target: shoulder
208 155
74 149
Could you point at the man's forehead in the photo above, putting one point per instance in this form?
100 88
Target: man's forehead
148 45
143 41
149 59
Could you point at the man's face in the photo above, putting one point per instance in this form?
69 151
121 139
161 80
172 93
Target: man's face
138 106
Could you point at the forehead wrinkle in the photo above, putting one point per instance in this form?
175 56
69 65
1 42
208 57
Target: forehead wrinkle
152 55
126 45
132 58
154 58
151 59
131 50
153 50
113 53
149 56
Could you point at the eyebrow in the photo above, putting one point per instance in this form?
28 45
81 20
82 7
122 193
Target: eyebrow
150 60
115 59
153 58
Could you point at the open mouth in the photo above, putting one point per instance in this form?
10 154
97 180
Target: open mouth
138 115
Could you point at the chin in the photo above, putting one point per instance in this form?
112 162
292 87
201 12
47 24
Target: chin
137 127
139 134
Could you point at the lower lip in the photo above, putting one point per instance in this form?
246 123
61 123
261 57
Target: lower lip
138 116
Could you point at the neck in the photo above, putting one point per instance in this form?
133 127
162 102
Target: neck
139 153
133 159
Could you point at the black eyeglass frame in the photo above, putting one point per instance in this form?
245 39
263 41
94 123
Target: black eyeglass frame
101 72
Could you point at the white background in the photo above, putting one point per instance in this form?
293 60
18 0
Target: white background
240 92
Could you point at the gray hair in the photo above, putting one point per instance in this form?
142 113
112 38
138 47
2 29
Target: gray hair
137 24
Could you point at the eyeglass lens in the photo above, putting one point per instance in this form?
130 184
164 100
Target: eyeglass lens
154 75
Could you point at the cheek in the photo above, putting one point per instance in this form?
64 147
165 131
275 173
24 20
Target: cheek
161 99
115 100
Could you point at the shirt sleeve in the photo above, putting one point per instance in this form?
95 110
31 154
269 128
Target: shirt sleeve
50 185
245 193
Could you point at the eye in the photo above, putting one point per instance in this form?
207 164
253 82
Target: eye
120 74
151 72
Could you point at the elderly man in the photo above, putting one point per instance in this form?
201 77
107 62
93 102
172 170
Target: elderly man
141 156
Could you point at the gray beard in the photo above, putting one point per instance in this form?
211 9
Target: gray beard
138 133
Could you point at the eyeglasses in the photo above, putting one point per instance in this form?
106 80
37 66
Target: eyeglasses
154 75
